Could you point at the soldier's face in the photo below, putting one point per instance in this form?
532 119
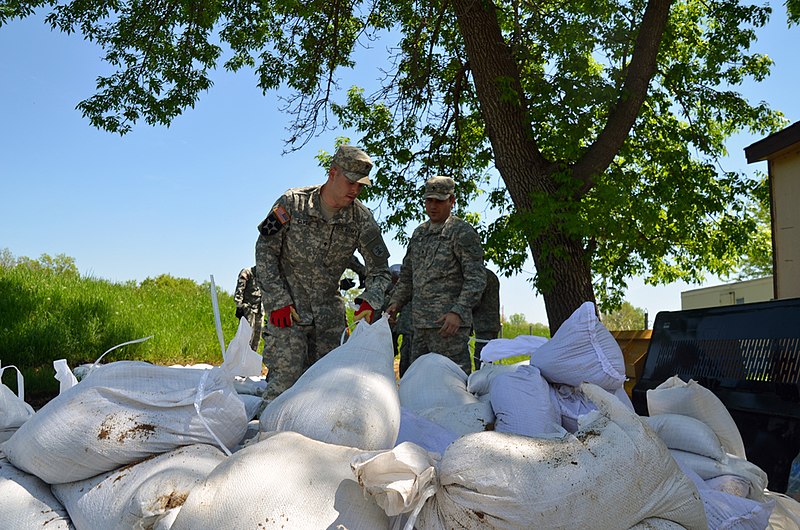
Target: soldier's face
339 191
439 210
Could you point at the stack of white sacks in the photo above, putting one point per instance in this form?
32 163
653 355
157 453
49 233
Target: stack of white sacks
550 444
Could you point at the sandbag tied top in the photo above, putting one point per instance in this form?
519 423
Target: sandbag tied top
349 397
123 412
612 474
582 351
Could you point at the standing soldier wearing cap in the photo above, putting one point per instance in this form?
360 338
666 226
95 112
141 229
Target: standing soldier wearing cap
444 274
304 246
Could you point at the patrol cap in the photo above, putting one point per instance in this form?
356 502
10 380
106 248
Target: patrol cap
355 163
440 188
395 269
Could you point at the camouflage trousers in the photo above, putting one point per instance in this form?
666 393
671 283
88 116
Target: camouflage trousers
483 335
289 352
455 348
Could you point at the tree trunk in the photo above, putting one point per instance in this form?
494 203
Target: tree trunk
563 262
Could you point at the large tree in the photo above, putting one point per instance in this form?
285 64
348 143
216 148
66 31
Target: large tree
605 121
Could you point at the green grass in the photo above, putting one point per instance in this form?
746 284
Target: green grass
48 314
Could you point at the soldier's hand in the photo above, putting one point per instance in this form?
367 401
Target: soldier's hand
240 312
284 316
450 323
364 311
392 311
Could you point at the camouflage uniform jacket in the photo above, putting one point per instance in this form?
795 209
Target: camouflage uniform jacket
486 315
247 295
443 271
301 257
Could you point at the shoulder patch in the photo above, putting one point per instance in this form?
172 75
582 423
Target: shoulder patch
274 221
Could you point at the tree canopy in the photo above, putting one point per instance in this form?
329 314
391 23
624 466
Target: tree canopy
590 132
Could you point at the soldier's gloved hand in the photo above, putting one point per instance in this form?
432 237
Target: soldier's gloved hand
240 312
345 284
283 317
364 311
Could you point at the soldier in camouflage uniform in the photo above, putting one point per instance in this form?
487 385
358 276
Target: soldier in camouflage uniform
486 315
248 303
444 274
304 246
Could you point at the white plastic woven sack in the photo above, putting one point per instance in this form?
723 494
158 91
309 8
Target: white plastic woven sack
462 419
613 474
674 396
708 468
497 349
582 350
123 412
433 380
138 496
26 502
284 481
730 512
786 515
14 411
522 404
349 397
479 381
423 432
686 434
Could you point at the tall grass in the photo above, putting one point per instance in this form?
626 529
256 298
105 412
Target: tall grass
50 314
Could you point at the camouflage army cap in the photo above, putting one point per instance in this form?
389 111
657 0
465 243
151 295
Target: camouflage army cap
440 188
355 163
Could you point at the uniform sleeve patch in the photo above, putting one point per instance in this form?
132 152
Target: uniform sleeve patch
274 221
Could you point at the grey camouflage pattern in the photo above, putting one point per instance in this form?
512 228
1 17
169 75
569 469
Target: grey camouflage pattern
443 271
455 348
301 264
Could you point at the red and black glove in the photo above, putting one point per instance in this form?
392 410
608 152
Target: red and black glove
283 317
364 311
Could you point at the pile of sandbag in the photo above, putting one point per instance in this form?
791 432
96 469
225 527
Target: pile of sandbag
613 473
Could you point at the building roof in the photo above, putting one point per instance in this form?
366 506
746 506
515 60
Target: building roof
773 145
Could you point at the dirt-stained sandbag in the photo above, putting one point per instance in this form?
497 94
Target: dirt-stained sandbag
139 495
285 481
123 412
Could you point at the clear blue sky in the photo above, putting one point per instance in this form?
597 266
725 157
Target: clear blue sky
186 200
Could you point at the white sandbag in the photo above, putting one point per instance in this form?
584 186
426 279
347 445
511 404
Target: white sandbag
613 474
687 434
349 397
26 502
240 357
674 396
479 381
522 404
732 465
497 349
462 419
433 380
423 432
730 512
582 350
14 411
284 481
139 495
786 515
123 412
